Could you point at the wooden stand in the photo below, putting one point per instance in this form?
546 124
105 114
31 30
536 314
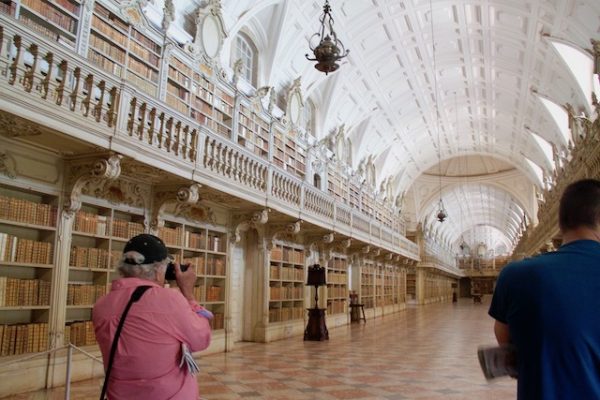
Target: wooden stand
316 328
355 313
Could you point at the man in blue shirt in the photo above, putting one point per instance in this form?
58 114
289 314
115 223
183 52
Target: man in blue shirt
549 306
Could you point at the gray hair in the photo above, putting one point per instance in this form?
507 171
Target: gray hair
136 268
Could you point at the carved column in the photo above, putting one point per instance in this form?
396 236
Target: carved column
85 22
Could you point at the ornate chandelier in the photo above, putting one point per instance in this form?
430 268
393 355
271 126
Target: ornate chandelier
330 49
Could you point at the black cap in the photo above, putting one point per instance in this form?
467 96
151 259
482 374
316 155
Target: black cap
151 247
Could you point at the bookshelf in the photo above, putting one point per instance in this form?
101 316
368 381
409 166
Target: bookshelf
337 186
28 221
253 132
57 20
379 278
286 283
120 49
390 284
411 286
367 284
98 238
337 285
206 249
288 154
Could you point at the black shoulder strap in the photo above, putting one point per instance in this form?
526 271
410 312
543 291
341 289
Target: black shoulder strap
135 296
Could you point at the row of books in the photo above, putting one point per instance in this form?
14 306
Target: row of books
23 338
177 92
337 291
367 290
52 14
126 229
24 292
8 8
335 277
147 86
215 265
80 333
280 314
26 211
100 44
214 293
105 63
340 264
70 6
286 254
144 53
286 273
218 321
109 30
112 18
176 103
88 257
336 307
171 236
178 77
16 249
286 293
83 294
91 223
142 70
146 41
180 67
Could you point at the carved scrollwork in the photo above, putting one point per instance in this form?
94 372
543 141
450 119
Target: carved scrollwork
186 200
366 249
83 176
15 127
7 166
256 219
321 244
283 232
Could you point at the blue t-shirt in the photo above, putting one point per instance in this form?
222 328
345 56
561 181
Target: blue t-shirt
551 304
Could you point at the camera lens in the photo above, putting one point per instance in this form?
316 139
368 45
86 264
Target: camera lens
170 274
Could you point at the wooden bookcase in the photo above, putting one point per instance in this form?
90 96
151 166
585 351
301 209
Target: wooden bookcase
337 186
206 250
28 221
337 285
354 195
121 49
253 132
286 283
57 20
379 278
367 284
411 286
98 238
390 286
287 153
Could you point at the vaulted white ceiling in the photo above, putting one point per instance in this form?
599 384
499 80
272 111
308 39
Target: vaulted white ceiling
494 60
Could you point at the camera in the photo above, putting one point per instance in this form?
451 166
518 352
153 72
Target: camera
170 274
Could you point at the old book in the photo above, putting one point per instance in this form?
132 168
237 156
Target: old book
497 361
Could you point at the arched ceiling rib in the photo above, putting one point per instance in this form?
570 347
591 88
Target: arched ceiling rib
493 58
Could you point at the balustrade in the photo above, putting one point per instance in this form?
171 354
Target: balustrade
40 74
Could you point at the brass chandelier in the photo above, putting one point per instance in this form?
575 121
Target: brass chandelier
330 49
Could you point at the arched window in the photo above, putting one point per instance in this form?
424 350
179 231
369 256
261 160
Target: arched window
245 50
317 181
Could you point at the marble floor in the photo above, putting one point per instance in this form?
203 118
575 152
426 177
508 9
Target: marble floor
421 353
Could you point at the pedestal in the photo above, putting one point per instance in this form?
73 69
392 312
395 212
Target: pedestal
316 328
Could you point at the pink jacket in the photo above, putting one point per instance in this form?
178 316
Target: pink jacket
146 364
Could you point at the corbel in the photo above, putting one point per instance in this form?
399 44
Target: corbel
366 249
320 243
82 175
184 197
283 231
253 220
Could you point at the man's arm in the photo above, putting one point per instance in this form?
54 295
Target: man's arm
502 332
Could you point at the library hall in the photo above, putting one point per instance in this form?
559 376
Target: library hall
326 191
